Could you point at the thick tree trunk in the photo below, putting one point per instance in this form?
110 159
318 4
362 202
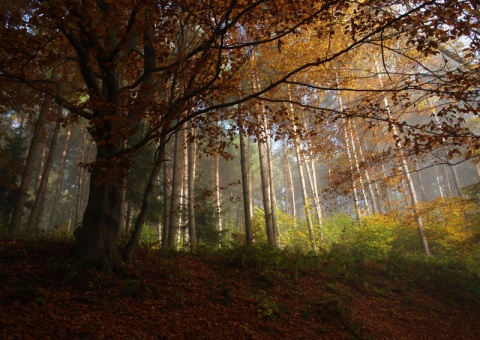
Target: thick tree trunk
96 239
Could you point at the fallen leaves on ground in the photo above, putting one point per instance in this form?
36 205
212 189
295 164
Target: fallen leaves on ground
45 294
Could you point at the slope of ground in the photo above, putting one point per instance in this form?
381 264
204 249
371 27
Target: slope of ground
44 294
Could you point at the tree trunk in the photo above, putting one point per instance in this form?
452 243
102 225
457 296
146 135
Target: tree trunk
246 189
80 179
28 170
96 239
413 194
289 184
60 173
316 201
216 190
267 206
192 150
373 197
34 218
306 199
41 163
271 186
147 198
456 180
176 191
167 197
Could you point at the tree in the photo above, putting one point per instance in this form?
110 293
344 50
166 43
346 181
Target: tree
165 63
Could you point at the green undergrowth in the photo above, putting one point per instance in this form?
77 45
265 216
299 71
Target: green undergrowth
454 279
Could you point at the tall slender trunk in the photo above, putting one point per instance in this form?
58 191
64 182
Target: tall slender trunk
289 188
264 165
316 201
370 189
28 169
357 167
216 190
439 184
39 202
422 195
271 185
306 199
246 190
60 174
456 180
192 150
267 206
167 196
41 163
147 198
446 180
176 190
413 194
80 179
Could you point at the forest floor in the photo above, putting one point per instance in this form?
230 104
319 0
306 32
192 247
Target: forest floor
45 294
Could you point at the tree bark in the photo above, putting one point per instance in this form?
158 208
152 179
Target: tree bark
96 239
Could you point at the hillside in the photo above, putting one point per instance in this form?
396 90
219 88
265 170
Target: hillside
236 294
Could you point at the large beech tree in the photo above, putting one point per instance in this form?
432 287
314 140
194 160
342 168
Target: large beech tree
158 64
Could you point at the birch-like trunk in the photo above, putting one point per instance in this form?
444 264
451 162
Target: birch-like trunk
406 170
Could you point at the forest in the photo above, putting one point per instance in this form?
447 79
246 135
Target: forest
306 155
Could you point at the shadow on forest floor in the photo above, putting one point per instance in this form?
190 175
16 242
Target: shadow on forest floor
237 294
